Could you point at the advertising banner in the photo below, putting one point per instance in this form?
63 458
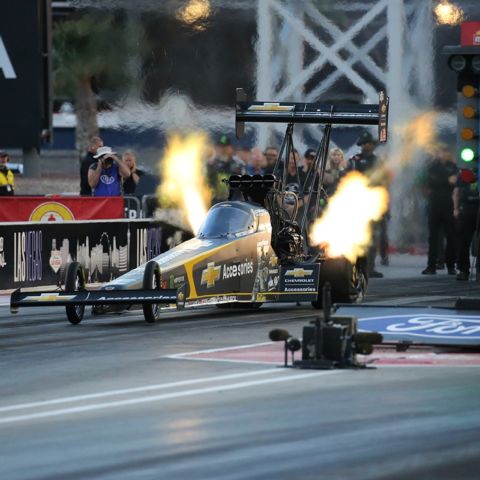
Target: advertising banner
37 253
59 209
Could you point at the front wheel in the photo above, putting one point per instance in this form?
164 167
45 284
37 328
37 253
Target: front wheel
74 282
151 281
348 281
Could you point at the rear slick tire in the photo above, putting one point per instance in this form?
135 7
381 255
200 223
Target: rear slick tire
74 282
348 282
151 281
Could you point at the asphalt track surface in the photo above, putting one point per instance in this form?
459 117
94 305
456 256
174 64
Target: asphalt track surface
116 398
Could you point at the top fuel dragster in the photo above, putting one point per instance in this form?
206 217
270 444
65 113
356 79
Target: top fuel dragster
249 251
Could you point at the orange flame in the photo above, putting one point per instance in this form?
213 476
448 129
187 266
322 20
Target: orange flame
448 13
183 179
345 227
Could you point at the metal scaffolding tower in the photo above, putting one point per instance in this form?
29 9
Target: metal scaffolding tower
312 50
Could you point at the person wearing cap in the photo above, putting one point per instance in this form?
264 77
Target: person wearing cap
365 162
366 159
220 167
94 144
106 174
7 181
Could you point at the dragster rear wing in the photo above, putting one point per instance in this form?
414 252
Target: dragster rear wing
292 112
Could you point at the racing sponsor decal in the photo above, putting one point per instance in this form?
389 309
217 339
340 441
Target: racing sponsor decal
299 279
237 270
210 274
51 212
298 273
269 106
27 256
212 300
48 297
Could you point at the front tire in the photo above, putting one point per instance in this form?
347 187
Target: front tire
74 282
348 281
151 281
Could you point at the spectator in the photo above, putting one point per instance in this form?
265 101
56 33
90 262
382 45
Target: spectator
271 155
308 158
465 212
221 167
245 155
106 174
335 170
87 160
440 179
130 183
257 161
7 181
365 162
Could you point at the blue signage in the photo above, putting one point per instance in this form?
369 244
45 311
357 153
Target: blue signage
417 325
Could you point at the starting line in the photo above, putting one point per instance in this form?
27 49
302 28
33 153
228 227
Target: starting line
272 353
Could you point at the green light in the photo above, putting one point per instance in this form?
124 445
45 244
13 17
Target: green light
467 154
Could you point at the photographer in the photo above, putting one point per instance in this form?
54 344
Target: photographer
105 176
7 185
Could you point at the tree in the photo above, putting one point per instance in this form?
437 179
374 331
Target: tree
90 52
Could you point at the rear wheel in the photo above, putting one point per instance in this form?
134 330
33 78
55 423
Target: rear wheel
151 281
74 282
348 281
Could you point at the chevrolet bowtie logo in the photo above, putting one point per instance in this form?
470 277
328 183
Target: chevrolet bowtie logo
299 272
210 275
49 297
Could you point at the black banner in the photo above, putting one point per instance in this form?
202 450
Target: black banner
33 254
25 91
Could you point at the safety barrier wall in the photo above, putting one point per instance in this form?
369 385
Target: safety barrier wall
36 253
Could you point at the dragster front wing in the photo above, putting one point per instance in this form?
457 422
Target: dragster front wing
95 297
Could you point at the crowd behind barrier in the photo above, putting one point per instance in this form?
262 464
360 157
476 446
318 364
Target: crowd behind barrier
455 220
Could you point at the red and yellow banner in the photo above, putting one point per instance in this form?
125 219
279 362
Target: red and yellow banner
60 209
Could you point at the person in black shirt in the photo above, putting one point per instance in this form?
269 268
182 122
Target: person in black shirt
130 183
365 162
440 181
465 212
87 160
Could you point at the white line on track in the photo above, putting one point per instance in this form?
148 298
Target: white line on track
172 395
126 391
